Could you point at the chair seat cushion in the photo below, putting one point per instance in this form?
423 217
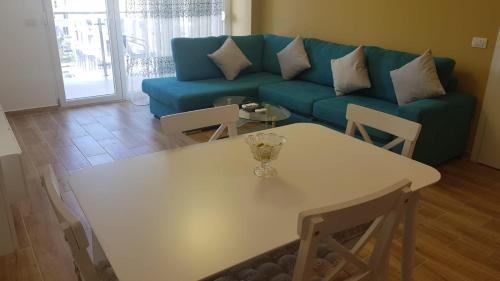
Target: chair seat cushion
279 264
333 111
297 96
192 95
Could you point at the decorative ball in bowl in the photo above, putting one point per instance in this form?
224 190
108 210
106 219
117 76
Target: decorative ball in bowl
265 148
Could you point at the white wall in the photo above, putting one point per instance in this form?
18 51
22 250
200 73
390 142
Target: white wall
486 149
27 77
241 17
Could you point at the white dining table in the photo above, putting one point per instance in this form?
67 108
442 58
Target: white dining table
188 213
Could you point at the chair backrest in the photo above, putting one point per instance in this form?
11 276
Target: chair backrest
174 126
382 211
406 131
74 232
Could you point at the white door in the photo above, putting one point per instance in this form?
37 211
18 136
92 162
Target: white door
87 40
487 145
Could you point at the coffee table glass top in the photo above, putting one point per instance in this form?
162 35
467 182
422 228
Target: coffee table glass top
273 113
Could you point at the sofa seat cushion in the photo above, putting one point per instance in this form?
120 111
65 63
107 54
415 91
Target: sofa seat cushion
333 111
191 95
297 96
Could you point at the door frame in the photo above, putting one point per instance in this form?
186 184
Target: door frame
119 75
228 17
477 148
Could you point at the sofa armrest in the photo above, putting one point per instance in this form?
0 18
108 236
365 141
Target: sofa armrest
445 123
453 103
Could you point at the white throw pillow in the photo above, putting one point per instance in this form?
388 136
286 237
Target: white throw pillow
417 80
293 59
230 59
350 73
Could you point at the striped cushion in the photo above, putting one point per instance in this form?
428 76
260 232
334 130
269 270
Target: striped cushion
278 265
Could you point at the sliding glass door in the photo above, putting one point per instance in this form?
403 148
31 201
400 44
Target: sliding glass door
89 55
105 48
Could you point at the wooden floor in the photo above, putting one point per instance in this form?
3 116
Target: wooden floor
459 218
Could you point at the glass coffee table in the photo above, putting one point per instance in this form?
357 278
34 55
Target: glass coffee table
273 113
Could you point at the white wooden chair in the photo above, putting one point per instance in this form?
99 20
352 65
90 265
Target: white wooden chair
406 131
318 225
74 234
323 253
174 126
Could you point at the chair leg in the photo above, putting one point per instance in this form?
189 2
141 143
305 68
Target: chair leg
410 228
77 272
97 251
384 267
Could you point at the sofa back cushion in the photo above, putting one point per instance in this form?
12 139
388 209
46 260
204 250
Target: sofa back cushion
273 44
252 46
191 56
320 55
382 61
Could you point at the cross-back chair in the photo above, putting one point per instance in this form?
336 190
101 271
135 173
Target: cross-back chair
333 243
174 126
406 131
74 234
317 226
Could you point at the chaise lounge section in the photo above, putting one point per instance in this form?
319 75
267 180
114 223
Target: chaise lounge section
311 97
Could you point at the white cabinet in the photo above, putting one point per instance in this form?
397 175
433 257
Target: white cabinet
12 185
487 144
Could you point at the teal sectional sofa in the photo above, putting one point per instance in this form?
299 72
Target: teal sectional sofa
311 97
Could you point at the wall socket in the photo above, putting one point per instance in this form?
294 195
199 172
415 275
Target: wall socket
479 42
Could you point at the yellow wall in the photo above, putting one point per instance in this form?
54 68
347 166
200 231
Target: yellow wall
445 26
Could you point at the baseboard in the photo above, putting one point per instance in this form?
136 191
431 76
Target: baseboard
52 108
31 110
77 105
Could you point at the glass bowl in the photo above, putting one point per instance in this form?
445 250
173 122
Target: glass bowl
265 148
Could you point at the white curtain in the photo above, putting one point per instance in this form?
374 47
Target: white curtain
149 25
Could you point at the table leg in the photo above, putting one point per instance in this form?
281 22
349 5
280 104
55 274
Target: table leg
410 228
